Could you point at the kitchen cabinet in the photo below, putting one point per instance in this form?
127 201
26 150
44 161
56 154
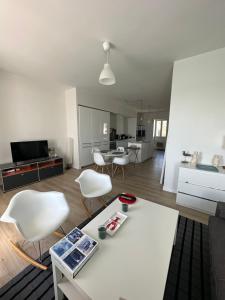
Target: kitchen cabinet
93 132
145 151
85 124
86 157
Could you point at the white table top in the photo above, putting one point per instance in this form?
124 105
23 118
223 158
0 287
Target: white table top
133 264
111 154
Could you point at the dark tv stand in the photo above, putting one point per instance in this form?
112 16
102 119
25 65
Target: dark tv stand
16 175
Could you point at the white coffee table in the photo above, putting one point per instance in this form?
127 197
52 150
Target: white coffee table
131 265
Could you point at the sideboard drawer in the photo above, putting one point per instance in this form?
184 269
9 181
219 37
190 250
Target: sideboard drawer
202 178
203 205
201 191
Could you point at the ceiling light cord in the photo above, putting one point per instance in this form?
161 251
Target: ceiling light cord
107 56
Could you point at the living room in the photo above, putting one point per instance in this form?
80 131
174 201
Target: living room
112 120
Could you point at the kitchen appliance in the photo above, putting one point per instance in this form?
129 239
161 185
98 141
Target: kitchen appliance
140 131
112 134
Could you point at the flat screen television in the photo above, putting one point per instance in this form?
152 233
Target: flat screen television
22 151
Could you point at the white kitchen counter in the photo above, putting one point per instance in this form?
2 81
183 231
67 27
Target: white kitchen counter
145 152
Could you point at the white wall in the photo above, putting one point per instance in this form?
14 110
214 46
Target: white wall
197 111
72 127
112 120
121 124
131 126
30 110
92 99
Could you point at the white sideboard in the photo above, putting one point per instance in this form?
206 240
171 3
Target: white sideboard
200 189
93 132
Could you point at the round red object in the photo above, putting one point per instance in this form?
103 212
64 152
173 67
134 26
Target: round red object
127 198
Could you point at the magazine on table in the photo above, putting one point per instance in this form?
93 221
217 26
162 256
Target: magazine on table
114 222
74 250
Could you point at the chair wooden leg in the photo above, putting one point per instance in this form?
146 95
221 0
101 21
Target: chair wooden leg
59 234
96 168
108 171
102 201
112 169
26 257
115 170
123 171
86 208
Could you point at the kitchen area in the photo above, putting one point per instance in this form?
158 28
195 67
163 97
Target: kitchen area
129 132
108 131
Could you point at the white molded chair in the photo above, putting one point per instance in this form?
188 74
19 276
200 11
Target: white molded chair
93 185
95 149
120 149
36 215
121 162
100 162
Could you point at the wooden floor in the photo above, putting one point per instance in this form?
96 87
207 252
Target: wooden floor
143 181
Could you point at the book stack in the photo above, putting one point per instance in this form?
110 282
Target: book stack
74 250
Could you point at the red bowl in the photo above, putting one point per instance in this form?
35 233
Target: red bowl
127 198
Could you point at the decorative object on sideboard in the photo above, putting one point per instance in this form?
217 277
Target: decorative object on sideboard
51 152
195 158
217 160
187 156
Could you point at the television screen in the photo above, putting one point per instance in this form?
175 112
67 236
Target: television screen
22 151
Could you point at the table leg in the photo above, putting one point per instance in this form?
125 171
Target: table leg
57 276
136 154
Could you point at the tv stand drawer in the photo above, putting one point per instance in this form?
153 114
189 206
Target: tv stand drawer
50 171
12 182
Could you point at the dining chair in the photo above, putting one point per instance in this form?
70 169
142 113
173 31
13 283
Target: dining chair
100 162
95 149
93 185
36 215
120 149
120 163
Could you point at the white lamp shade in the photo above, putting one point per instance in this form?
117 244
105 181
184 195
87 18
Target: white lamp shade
107 77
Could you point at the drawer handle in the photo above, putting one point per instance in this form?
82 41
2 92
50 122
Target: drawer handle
22 174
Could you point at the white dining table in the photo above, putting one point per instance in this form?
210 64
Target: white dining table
113 153
131 265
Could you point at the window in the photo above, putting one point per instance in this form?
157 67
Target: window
105 128
160 128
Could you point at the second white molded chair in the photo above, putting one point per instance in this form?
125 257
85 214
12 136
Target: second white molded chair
95 149
121 162
100 162
93 185
36 215
120 149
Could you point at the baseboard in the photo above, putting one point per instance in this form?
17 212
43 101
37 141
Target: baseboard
167 189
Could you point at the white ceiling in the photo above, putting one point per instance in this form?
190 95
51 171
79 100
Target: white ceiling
62 39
